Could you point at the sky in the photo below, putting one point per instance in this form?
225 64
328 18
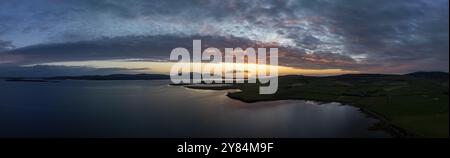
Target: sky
321 37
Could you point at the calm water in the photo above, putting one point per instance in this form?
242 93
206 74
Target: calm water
155 109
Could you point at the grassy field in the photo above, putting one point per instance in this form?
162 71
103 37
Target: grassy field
416 104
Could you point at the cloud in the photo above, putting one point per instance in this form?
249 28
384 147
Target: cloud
159 47
6 45
374 36
393 32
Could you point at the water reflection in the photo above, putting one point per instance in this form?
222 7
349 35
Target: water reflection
155 109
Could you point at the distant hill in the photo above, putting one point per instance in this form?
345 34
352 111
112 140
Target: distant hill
429 75
112 77
420 74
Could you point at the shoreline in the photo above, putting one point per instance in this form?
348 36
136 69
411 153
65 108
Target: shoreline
384 124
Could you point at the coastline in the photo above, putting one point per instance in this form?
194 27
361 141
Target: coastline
384 124
410 105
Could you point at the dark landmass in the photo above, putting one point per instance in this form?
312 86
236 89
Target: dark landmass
212 86
112 77
91 77
26 80
410 105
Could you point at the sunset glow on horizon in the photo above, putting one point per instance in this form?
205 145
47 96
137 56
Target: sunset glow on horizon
163 67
